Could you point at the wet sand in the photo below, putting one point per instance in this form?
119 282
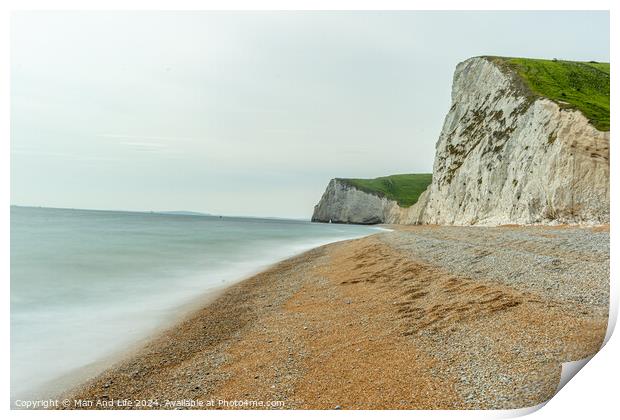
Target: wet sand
419 318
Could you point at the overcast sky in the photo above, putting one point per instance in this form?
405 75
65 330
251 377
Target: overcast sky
246 113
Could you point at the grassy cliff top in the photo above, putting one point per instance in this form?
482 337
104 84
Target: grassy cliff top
575 84
404 189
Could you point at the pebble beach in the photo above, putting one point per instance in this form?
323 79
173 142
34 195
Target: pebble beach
422 317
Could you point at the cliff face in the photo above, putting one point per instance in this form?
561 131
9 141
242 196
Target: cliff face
504 156
343 203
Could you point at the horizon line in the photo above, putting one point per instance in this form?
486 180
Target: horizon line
165 212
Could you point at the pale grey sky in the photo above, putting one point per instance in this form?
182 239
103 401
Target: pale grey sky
246 113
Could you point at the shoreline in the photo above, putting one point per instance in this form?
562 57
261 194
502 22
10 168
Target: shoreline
309 330
59 386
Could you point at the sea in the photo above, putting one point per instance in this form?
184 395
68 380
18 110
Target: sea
87 284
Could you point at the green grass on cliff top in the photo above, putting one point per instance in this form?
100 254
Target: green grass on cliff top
581 85
404 189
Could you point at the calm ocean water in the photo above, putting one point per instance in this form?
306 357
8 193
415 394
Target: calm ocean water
86 284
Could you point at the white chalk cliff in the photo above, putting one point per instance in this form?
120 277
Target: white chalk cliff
503 156
343 203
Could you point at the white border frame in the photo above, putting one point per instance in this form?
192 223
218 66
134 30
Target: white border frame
592 393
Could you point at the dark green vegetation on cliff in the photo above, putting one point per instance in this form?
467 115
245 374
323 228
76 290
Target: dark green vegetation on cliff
404 189
575 84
